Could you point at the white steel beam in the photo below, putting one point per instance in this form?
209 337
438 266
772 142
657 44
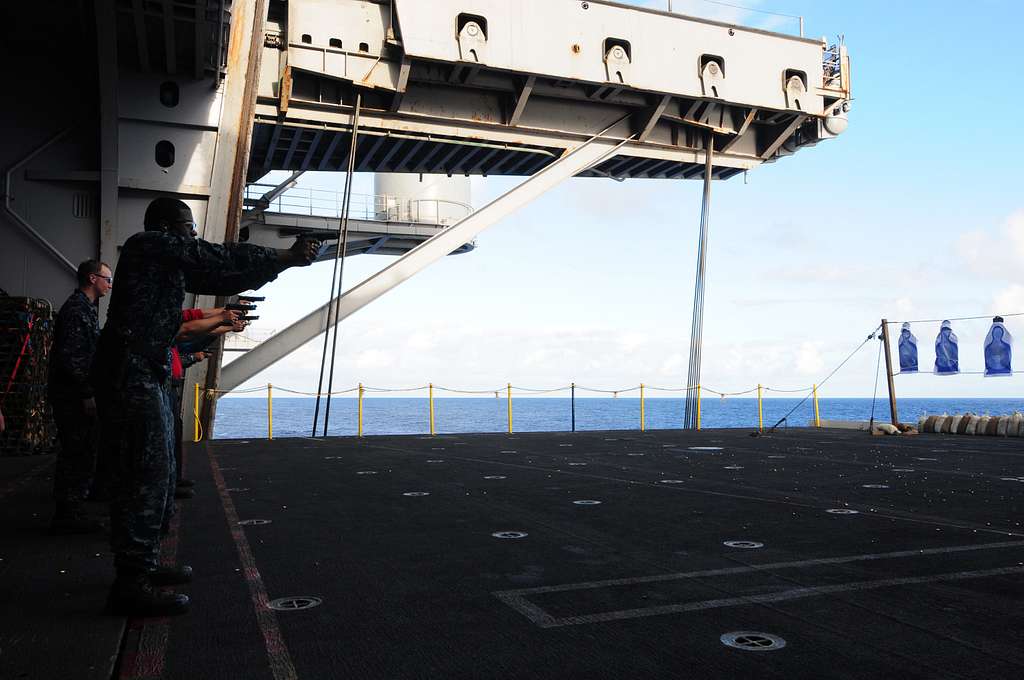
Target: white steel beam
285 342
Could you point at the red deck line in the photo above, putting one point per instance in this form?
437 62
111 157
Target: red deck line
277 652
145 650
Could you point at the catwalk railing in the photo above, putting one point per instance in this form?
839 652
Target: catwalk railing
507 390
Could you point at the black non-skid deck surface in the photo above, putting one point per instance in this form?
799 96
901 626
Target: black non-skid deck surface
924 580
52 589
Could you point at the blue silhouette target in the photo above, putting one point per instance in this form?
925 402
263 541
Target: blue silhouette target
947 351
998 349
908 350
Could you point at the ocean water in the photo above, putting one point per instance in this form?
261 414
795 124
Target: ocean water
293 417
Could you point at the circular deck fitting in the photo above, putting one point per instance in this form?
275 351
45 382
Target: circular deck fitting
416 493
577 464
510 534
874 486
367 472
670 481
435 460
253 522
733 467
495 477
931 459
290 604
705 448
586 502
842 511
236 489
746 545
752 641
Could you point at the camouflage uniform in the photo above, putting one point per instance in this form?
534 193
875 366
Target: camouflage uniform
133 368
74 344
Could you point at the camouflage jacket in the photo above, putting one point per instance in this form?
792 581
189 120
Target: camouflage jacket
74 343
154 271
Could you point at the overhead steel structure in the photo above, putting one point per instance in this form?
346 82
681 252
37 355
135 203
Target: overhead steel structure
541 89
201 98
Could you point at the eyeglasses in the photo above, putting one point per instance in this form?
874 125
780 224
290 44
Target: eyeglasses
188 223
108 279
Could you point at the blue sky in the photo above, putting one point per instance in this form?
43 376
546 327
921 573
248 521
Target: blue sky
915 212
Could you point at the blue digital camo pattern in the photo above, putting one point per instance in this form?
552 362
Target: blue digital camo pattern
133 367
75 333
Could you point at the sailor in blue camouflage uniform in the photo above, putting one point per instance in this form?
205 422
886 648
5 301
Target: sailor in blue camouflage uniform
132 374
71 398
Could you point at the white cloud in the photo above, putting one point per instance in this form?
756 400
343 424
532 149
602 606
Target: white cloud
809 360
996 253
1010 300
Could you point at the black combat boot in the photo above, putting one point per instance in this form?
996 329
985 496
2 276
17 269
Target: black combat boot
133 595
171 576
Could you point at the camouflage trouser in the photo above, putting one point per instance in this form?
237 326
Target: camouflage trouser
139 430
76 460
178 389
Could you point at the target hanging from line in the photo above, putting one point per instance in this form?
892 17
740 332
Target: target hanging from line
947 351
998 349
908 350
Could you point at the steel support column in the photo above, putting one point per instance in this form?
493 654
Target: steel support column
697 323
224 209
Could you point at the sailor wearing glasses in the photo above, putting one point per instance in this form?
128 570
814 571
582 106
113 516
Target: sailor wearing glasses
71 398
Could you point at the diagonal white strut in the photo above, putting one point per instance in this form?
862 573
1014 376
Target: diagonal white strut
285 342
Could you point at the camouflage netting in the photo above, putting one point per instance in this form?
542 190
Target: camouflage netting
26 332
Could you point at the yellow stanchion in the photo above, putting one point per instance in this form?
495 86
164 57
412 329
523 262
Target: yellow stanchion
431 408
195 403
760 411
817 415
698 408
643 425
360 409
270 411
510 408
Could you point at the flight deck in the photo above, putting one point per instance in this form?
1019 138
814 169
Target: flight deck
812 553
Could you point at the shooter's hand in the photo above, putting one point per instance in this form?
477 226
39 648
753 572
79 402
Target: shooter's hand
238 326
304 251
228 315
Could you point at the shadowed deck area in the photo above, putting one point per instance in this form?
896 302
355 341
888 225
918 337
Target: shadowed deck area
410 544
